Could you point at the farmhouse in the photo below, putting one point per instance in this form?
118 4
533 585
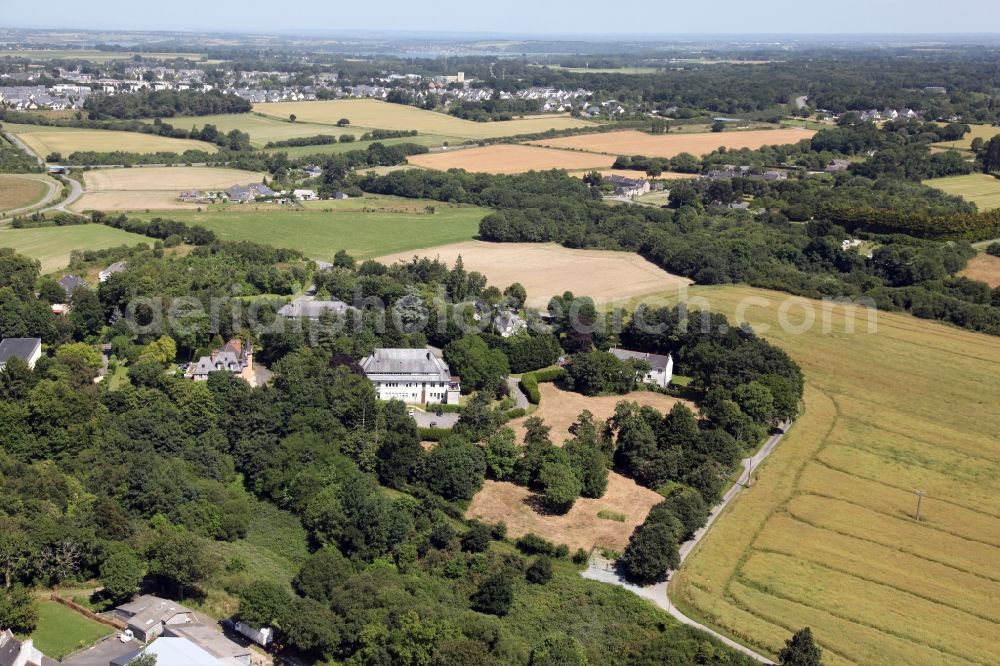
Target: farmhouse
148 616
70 283
508 323
628 187
116 267
837 165
308 308
28 350
239 194
233 358
21 653
661 368
412 375
305 195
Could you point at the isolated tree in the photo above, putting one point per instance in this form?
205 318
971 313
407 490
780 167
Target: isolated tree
560 486
540 571
801 650
122 573
291 117
343 122
494 596
651 553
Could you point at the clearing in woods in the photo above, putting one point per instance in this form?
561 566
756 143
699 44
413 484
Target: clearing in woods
979 188
985 268
20 191
61 630
67 140
546 269
827 536
376 113
365 227
510 158
631 142
52 245
155 188
581 527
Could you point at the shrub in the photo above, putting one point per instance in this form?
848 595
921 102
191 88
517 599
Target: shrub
993 249
540 571
432 434
477 539
532 544
494 596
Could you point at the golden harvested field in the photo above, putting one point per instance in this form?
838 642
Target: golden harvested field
985 268
631 142
510 158
20 191
66 140
155 188
579 527
827 536
383 115
546 269
559 408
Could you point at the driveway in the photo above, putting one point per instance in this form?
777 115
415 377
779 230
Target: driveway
521 400
432 420
102 653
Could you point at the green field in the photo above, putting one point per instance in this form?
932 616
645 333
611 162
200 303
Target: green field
376 113
826 537
46 139
364 227
984 132
61 631
52 245
979 188
429 140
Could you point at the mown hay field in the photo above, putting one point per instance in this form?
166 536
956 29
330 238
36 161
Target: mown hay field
260 128
376 113
52 245
631 142
67 140
20 191
979 188
827 536
984 132
546 269
510 158
985 268
365 231
154 188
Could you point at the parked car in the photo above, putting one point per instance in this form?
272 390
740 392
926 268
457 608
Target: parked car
126 636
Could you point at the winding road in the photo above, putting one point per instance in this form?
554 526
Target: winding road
605 571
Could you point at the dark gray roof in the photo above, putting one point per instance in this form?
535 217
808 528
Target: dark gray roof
656 361
400 362
70 282
22 348
306 308
10 648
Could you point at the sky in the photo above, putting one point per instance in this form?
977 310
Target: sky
515 17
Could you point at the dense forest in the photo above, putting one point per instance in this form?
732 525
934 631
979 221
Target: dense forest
163 104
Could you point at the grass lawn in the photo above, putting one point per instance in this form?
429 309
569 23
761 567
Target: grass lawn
826 537
52 245
365 227
376 113
979 188
66 140
61 631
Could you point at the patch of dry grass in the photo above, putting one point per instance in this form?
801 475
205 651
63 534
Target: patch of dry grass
20 191
985 268
632 142
510 158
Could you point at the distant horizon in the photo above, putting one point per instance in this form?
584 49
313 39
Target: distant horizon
518 18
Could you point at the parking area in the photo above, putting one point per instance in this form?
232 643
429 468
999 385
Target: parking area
432 420
101 653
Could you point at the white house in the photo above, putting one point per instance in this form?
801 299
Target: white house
308 308
414 376
508 323
661 368
28 350
305 195
116 267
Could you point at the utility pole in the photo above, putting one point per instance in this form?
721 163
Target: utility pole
920 497
749 471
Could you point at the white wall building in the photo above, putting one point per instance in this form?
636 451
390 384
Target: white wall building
415 376
661 368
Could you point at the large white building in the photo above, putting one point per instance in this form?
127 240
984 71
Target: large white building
415 376
661 368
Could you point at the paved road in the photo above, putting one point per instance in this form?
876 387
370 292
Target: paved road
13 138
53 188
605 572
521 400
